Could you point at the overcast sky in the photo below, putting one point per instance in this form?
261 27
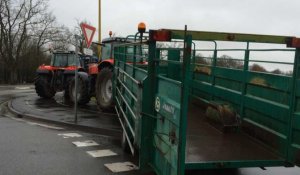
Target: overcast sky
281 17
274 17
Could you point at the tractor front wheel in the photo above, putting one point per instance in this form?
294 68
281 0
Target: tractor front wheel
43 87
82 91
104 90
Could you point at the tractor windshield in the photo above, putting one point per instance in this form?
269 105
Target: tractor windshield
64 60
106 51
138 52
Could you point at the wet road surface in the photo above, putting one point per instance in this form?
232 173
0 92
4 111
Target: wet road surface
49 109
27 148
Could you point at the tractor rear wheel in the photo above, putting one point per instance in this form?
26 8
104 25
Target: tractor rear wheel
82 89
104 90
43 88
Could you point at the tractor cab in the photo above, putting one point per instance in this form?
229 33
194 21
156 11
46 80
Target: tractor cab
65 59
133 52
87 60
59 76
107 46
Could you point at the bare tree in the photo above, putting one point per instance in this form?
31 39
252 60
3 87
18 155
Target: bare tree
16 20
27 28
257 68
62 39
229 62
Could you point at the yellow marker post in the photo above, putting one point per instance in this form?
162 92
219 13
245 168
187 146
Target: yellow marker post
99 30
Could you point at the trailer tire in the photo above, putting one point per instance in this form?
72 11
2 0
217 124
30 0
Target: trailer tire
83 94
43 88
104 90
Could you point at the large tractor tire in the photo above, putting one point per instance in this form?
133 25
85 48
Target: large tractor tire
43 88
83 96
104 90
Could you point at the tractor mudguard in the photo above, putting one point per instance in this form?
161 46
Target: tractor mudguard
106 63
93 69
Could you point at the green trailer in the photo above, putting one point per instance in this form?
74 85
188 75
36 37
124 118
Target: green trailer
172 109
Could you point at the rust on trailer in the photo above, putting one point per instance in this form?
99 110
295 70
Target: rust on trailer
259 81
202 69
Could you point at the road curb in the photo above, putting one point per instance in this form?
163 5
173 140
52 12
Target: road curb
102 131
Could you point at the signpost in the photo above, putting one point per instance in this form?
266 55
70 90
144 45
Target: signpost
76 78
88 52
88 32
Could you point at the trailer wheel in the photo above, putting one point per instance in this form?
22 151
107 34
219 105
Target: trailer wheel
82 95
43 88
104 90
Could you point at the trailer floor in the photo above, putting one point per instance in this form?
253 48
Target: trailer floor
206 143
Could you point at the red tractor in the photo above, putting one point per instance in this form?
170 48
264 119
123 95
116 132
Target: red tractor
103 85
59 76
95 78
105 71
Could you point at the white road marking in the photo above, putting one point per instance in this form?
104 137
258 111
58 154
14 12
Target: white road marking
121 167
37 124
68 135
45 126
22 88
17 119
85 143
102 153
31 123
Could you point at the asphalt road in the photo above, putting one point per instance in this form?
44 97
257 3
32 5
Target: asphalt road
30 148
27 148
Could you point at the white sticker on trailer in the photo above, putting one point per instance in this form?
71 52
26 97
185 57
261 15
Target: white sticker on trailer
157 104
